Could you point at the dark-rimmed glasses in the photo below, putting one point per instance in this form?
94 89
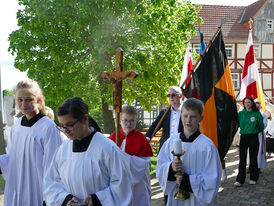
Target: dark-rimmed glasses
172 95
67 128
125 121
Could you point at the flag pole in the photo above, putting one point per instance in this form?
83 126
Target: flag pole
201 57
188 76
250 23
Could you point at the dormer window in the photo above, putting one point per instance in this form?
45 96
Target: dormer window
269 25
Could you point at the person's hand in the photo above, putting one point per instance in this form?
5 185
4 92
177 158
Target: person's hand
178 178
88 200
73 200
177 165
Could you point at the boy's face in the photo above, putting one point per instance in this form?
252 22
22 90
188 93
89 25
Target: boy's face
191 120
128 122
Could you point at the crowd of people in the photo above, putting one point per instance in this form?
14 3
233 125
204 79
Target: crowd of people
42 167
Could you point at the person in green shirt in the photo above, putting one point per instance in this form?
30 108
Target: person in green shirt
251 123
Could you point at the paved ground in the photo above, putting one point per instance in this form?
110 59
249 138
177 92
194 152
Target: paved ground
249 195
261 194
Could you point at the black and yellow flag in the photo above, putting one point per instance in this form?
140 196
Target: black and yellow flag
212 84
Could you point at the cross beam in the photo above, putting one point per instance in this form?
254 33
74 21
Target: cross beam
116 78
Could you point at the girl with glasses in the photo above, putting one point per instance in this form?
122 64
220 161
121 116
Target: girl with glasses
88 168
32 143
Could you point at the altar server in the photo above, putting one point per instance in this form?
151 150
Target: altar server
88 167
200 165
134 143
32 143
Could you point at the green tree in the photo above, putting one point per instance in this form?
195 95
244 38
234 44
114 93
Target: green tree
66 44
8 92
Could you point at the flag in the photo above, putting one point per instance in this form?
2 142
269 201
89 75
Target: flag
212 84
187 67
251 82
202 44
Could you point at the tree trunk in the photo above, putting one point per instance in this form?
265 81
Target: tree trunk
109 125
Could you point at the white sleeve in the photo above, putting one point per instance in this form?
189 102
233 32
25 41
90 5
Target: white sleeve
119 191
205 185
270 129
54 192
164 160
264 119
4 160
52 141
138 167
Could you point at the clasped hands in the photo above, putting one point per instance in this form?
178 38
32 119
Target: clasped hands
177 166
87 200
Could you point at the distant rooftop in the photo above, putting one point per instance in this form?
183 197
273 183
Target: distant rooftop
236 25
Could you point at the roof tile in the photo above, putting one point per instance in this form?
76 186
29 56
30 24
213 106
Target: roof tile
236 24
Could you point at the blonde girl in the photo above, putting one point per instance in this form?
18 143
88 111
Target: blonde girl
31 146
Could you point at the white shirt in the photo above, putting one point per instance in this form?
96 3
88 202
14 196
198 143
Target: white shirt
264 119
103 169
270 128
202 162
140 172
174 121
30 151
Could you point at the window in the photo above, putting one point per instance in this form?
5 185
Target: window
269 25
154 113
257 50
140 114
235 80
137 103
196 48
229 50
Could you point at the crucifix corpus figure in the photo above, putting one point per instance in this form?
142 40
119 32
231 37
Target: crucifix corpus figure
116 79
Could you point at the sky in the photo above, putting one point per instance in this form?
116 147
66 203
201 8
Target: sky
8 23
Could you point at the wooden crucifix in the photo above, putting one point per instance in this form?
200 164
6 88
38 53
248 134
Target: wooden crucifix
116 79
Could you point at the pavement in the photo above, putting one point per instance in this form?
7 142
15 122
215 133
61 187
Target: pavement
248 195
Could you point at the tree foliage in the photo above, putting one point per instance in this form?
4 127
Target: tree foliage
7 92
66 44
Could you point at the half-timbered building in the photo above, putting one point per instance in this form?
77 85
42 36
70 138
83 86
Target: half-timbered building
235 30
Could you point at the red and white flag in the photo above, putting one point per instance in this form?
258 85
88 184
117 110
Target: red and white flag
251 82
188 65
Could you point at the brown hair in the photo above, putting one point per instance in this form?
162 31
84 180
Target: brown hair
194 104
34 88
253 107
77 108
129 110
